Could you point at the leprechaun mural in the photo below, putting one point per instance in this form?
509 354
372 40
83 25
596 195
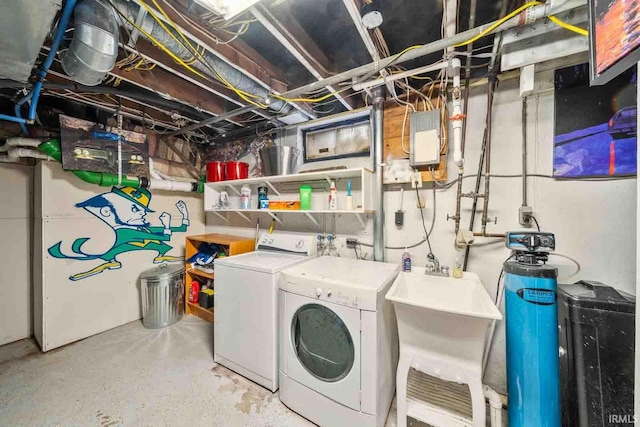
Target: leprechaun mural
124 210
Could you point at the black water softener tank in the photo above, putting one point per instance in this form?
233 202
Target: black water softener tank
596 325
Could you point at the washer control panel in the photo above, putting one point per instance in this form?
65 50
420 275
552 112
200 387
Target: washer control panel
334 293
287 243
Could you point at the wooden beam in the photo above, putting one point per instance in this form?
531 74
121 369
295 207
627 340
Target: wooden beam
181 90
192 169
294 46
283 18
245 59
154 55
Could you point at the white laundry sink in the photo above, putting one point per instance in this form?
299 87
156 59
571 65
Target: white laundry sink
443 318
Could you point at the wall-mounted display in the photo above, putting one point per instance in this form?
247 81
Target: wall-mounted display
595 127
615 38
91 147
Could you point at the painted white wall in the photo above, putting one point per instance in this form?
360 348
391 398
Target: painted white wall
595 222
16 183
65 310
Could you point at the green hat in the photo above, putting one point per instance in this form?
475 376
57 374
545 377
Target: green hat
139 196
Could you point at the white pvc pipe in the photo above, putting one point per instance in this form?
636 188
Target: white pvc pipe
152 170
161 184
383 80
27 152
5 158
456 122
495 403
23 142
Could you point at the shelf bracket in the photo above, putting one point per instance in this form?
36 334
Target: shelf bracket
361 219
328 178
315 221
274 216
235 190
244 216
272 187
219 215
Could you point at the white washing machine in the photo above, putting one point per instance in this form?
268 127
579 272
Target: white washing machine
246 305
338 341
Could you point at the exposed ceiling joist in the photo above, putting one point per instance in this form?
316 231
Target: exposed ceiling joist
354 12
125 112
255 67
297 49
450 18
168 115
164 82
152 55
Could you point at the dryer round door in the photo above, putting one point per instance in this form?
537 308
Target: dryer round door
322 342
324 348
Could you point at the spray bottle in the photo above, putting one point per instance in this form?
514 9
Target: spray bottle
406 260
333 201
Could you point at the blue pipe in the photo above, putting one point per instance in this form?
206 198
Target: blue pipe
57 39
13 119
23 126
34 95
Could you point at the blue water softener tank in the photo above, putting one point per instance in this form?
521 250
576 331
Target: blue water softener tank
532 332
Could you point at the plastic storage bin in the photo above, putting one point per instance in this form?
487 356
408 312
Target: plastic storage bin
596 325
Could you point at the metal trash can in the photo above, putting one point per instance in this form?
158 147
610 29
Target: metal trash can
162 291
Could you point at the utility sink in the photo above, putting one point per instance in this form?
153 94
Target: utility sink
443 317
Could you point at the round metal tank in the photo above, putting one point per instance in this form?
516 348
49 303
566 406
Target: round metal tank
162 291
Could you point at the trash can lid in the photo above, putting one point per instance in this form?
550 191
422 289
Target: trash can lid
592 294
163 270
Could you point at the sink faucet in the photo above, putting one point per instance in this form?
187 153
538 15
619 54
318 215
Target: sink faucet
434 268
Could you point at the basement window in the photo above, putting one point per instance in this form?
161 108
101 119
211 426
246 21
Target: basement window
350 137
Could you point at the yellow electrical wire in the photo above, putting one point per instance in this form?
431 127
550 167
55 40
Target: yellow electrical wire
163 47
499 23
568 26
242 94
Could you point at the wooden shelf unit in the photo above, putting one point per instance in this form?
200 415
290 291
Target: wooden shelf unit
233 245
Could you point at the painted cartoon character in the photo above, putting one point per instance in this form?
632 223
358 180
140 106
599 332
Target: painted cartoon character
124 210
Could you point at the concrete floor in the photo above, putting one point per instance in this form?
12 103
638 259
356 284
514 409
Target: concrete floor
136 377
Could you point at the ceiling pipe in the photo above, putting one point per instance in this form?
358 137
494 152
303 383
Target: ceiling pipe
232 75
94 48
527 17
393 77
182 109
378 147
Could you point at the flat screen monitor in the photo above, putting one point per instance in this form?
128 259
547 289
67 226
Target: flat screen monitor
614 37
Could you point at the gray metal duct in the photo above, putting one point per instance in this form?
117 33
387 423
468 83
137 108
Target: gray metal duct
236 78
94 48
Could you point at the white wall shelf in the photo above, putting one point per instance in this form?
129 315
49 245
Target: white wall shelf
286 188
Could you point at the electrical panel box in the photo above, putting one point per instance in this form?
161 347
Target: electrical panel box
425 138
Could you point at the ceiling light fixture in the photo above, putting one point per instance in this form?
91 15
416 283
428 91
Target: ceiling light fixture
371 14
227 8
